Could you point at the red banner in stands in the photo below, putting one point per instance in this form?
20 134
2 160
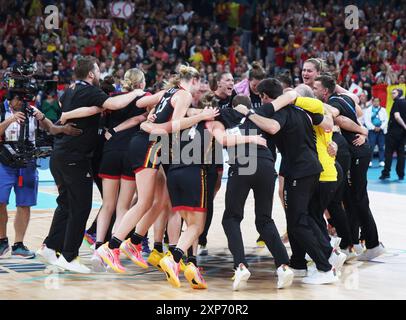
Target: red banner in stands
379 91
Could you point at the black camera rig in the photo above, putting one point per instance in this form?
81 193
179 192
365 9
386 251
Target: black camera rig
20 82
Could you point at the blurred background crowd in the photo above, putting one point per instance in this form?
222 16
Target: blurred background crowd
213 36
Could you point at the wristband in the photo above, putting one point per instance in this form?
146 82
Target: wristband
250 113
112 131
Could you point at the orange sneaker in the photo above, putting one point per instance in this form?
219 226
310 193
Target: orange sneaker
134 252
193 275
171 269
111 257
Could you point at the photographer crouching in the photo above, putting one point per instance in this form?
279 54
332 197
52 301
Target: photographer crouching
18 169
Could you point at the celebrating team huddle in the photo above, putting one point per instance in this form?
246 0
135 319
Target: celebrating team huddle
159 164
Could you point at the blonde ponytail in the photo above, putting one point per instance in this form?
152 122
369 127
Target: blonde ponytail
132 79
184 73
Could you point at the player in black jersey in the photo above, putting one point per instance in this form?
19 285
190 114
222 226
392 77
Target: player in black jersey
143 154
188 191
356 201
223 89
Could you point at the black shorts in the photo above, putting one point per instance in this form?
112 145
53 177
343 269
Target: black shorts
143 153
187 188
115 165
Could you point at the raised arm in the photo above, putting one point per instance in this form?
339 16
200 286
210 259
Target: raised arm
132 122
218 131
68 129
285 99
150 101
82 112
122 100
312 105
349 125
341 90
181 124
266 124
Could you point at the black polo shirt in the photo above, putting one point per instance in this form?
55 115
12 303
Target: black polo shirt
394 128
346 106
82 146
239 124
296 140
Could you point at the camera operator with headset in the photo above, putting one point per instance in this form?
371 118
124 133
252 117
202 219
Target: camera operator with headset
18 132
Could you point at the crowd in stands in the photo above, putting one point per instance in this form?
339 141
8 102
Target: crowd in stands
213 36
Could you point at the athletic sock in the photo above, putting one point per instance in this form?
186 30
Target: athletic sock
158 247
18 245
98 244
190 251
136 238
177 254
172 248
192 259
114 243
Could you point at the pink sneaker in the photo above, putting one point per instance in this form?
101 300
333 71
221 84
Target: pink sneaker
111 257
134 252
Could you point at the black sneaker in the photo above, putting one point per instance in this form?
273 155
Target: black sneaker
384 176
401 178
20 251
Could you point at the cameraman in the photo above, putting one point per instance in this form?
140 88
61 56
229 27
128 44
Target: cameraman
24 180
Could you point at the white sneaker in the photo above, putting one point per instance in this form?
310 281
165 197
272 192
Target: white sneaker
370 164
285 276
359 248
335 242
203 251
241 277
320 277
382 164
74 265
97 263
311 268
337 259
299 273
350 253
371 254
47 255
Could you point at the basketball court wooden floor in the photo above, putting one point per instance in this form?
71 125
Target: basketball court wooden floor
383 278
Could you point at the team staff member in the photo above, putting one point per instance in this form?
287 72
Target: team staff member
396 136
294 137
71 167
255 152
115 168
23 180
331 177
357 201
